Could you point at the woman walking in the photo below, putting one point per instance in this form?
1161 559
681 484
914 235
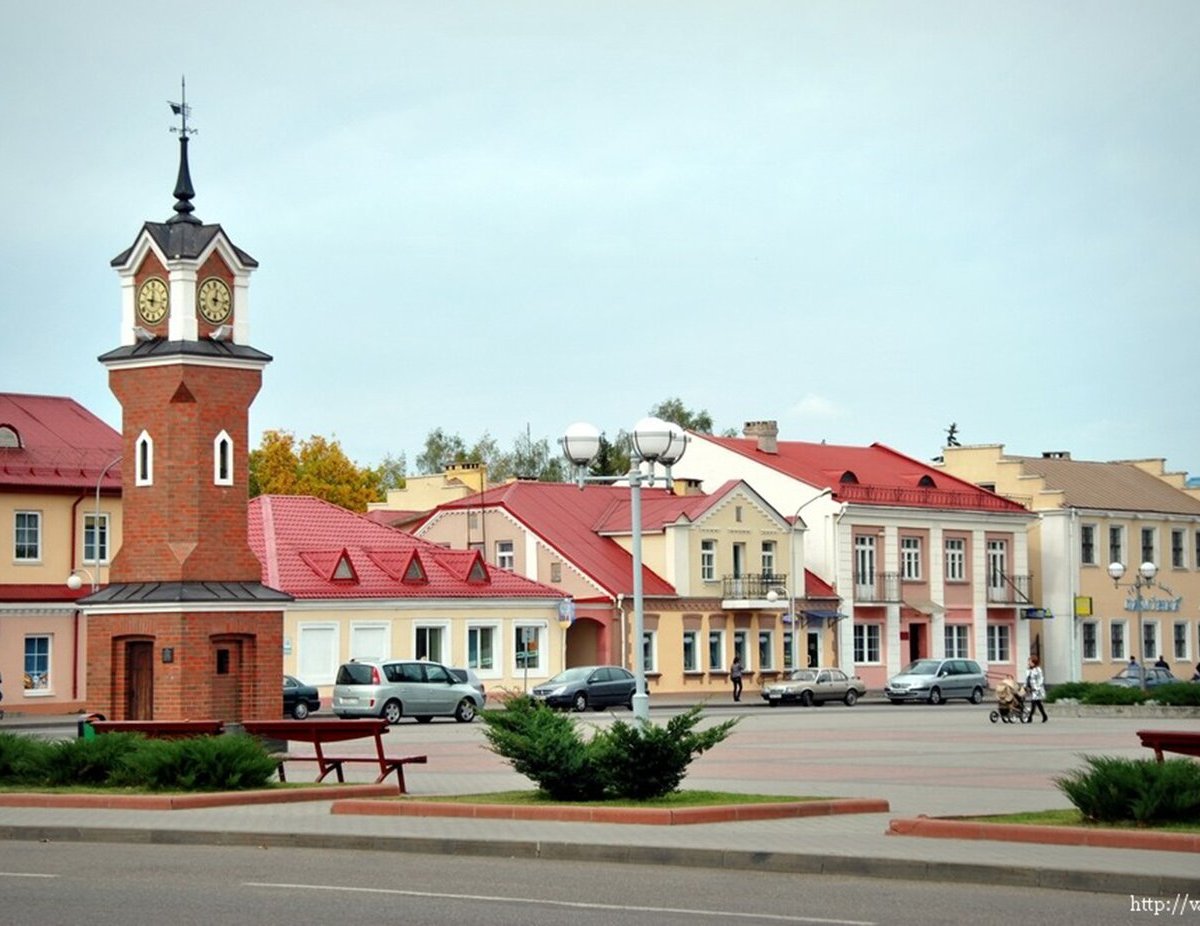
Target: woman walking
1035 688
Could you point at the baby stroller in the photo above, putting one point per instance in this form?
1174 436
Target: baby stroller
1011 706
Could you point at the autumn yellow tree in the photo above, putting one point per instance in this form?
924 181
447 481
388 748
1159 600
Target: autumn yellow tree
317 467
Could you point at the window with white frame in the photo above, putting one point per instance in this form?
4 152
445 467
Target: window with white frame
1116 543
430 642
223 460
708 560
1178 545
716 650
143 449
27 536
1116 641
1089 632
910 559
37 663
95 538
370 640
768 557
956 641
741 648
482 646
691 651
997 560
866 644
1150 648
506 558
317 654
1179 635
864 566
999 642
766 650
650 650
528 646
956 559
1087 544
1149 545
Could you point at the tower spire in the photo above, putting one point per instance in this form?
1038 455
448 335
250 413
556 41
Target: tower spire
183 183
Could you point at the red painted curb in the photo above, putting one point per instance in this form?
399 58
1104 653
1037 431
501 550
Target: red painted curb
194 801
654 816
937 828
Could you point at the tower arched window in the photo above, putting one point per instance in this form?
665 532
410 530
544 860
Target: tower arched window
223 460
144 460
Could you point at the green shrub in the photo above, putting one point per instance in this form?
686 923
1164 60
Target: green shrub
1113 694
23 759
1143 791
1073 691
1177 694
198 763
89 761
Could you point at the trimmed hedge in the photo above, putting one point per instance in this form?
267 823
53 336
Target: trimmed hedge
1176 694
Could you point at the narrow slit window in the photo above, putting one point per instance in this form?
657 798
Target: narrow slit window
145 460
223 460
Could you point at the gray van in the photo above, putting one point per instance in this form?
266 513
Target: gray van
937 680
403 688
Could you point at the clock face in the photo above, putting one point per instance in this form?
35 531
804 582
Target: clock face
213 300
152 300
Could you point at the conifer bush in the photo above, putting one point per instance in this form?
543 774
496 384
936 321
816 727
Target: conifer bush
1142 791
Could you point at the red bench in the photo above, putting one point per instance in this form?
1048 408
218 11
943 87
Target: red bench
1184 742
160 729
320 732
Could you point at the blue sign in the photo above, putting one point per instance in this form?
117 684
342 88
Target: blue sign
1036 614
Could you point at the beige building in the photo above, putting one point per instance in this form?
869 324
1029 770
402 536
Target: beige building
1092 514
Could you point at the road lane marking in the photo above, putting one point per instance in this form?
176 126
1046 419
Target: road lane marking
24 874
622 908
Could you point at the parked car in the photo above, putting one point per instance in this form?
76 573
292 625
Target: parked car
814 686
582 687
299 700
1131 677
403 688
468 677
937 680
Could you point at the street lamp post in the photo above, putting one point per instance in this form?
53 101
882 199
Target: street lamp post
1144 579
654 441
797 581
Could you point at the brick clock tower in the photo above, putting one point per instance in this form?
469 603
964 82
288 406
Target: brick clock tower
185 629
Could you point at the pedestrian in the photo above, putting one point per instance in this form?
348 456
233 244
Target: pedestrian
1196 674
1161 663
1035 688
735 676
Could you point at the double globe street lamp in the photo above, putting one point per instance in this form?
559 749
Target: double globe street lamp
654 442
1144 579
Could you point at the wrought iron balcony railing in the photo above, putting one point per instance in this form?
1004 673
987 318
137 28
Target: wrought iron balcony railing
877 587
754 587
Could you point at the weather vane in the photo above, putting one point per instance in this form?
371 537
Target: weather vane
182 110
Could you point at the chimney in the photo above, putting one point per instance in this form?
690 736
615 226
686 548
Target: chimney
1056 454
686 487
765 432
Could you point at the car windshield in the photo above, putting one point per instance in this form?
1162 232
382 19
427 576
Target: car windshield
921 667
804 675
578 674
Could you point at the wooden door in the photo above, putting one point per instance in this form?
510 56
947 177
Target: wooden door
139 676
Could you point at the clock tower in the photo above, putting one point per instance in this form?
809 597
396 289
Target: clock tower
186 628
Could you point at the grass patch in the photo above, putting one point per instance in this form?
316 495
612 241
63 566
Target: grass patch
1073 817
674 800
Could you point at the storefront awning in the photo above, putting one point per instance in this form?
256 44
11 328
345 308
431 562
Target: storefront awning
925 606
823 615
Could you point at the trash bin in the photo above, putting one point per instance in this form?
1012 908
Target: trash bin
85 728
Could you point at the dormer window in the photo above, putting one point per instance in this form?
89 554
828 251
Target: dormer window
926 482
223 460
9 436
848 478
144 457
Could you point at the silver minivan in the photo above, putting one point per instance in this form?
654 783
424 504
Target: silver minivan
403 688
937 680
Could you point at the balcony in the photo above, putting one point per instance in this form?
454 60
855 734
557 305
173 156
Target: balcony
877 587
1006 591
749 592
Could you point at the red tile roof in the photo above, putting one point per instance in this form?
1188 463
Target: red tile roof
63 445
883 476
312 549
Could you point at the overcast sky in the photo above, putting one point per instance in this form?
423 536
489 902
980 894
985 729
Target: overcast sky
864 220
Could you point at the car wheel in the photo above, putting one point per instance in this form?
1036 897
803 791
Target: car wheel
977 695
806 699
299 710
392 712
465 712
774 702
580 702
935 696
851 698
424 718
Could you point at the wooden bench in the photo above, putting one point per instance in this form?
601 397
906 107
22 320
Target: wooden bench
160 729
321 732
1184 742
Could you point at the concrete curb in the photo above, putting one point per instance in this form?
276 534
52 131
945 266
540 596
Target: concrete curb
653 816
194 801
949 828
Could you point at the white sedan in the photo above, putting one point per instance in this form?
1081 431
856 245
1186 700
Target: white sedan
815 686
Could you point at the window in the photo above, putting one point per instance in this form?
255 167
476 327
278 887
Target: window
649 651
1150 641
37 663
741 649
999 643
997 560
27 537
708 560
223 460
866 643
95 538
144 455
1179 648
1087 544
766 650
1116 641
430 642
1091 641
1177 555
910 559
1116 544
481 648
864 567
691 651
768 557
556 572
505 557
956 559
370 640
956 641
222 661
716 650
527 643
317 653
1148 545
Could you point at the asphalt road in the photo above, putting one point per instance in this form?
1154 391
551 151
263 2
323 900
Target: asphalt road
104 885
